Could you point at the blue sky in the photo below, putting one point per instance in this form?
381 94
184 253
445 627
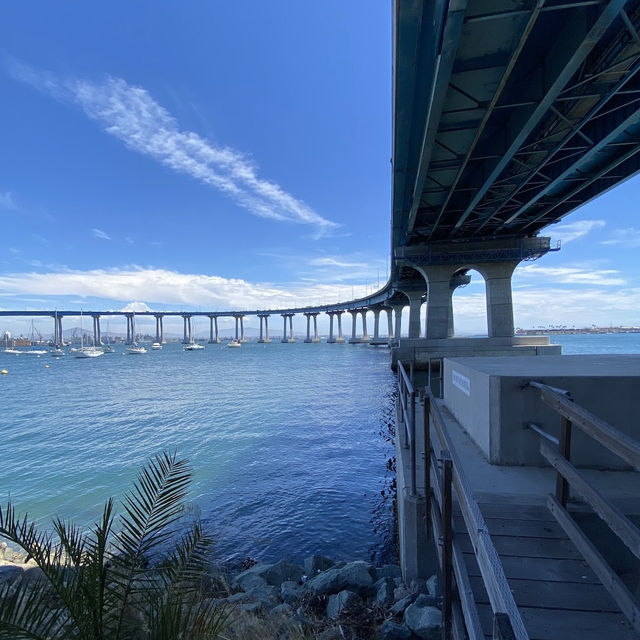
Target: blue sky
222 155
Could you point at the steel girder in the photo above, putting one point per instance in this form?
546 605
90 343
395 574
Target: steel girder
529 110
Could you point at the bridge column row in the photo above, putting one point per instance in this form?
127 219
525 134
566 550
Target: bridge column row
288 316
58 340
159 328
309 316
239 323
213 328
97 336
264 336
187 336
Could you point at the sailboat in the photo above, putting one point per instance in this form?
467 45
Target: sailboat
87 352
34 352
193 345
107 348
8 349
135 349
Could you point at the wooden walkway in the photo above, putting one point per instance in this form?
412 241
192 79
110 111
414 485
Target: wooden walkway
558 595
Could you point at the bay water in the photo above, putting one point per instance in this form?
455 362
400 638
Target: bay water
290 443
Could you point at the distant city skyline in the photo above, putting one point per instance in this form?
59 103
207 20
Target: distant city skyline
229 156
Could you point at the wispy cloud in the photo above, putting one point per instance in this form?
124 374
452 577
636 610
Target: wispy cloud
7 202
573 230
336 262
99 233
629 238
130 114
570 275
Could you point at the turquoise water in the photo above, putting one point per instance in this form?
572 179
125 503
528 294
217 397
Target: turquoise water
287 441
598 343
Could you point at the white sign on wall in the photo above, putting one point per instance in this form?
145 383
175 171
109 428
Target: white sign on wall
462 382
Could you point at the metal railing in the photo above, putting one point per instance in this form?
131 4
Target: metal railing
442 477
570 479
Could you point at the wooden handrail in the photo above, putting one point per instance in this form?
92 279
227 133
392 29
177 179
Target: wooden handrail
495 581
613 439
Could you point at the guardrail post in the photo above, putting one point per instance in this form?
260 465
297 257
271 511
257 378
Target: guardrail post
564 447
447 549
502 629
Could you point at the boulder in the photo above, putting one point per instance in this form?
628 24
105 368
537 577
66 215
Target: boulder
257 570
433 586
251 581
267 595
402 604
389 571
384 591
353 576
10 573
425 622
282 610
343 602
393 631
282 571
314 564
291 592
331 634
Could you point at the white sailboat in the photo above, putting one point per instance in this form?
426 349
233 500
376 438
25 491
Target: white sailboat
87 352
107 348
34 352
193 345
135 349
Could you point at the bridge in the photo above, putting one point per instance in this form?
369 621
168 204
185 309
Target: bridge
507 116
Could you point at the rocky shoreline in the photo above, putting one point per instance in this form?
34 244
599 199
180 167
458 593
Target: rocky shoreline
323 599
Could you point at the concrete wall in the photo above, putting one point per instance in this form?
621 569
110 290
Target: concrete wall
491 400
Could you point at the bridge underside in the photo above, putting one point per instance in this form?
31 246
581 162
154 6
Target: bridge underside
509 114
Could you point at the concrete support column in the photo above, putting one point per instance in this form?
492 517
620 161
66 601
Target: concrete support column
55 331
129 318
376 323
284 328
389 322
213 321
331 340
60 337
158 318
340 337
365 335
264 336
438 299
185 336
398 313
499 298
237 336
354 315
458 280
242 338
316 338
290 338
97 337
308 338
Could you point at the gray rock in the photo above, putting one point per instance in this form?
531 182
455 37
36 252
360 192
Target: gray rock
258 570
425 622
426 600
239 598
403 603
291 592
281 572
354 576
345 601
314 564
418 586
10 573
250 607
384 591
251 581
393 631
283 609
433 585
389 571
399 593
331 634
267 595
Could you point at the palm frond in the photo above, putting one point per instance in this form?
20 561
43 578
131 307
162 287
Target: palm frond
26 611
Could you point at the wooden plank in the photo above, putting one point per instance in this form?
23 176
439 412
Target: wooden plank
609 578
543 569
555 624
531 548
555 595
612 516
510 511
518 528
613 439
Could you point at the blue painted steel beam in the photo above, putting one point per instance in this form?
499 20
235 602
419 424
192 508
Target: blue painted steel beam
607 16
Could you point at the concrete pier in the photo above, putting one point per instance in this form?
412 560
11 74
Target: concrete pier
97 337
310 316
288 338
186 338
264 337
159 329
239 335
214 338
